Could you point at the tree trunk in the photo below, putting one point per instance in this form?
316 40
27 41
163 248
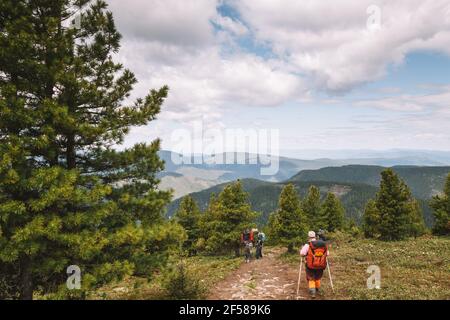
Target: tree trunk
70 153
26 279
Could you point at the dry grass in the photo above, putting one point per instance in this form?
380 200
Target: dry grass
410 269
209 269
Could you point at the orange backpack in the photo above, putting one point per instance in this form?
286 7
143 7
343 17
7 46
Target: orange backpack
316 258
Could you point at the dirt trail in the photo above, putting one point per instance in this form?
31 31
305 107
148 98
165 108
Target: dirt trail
265 279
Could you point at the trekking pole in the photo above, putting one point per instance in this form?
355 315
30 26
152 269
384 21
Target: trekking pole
299 274
329 274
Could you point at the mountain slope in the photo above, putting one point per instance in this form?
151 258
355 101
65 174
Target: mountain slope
263 196
354 185
424 182
196 175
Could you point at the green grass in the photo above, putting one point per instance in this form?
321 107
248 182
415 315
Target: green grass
410 269
210 270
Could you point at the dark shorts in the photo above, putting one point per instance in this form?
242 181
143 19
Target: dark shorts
312 274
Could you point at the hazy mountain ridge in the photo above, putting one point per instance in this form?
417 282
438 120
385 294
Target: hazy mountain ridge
191 177
354 185
427 157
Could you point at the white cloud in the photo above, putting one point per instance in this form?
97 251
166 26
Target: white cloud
174 43
418 121
330 40
436 102
317 46
235 27
172 22
210 83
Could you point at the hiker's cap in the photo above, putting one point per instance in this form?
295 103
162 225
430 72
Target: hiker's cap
311 234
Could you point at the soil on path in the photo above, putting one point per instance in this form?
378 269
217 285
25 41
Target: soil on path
265 279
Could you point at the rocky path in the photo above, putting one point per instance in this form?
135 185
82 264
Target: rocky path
265 279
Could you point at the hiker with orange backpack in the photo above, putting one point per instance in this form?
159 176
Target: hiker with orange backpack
316 253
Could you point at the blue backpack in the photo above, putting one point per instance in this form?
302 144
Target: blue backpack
262 236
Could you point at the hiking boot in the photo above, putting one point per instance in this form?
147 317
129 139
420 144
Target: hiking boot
319 291
312 293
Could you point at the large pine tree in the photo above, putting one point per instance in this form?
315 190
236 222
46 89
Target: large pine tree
229 215
395 214
289 221
312 207
371 220
67 197
188 216
332 214
441 210
417 225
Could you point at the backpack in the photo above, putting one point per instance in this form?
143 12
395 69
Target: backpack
246 237
262 237
316 258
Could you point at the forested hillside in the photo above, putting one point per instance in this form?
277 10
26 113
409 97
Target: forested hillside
263 196
425 182
354 185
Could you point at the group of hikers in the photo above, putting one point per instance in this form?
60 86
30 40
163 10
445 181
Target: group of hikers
252 238
314 253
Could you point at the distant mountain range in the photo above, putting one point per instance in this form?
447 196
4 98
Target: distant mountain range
353 184
402 156
196 176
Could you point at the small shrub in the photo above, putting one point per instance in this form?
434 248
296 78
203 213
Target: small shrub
181 283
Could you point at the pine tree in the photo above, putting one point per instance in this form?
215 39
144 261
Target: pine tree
188 216
311 206
416 221
273 229
394 204
206 224
230 215
371 220
394 209
67 197
441 211
289 219
332 214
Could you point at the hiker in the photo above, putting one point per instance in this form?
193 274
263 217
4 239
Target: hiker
248 251
259 244
321 235
246 236
316 252
247 241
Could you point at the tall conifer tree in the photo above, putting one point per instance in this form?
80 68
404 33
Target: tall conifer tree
289 220
188 216
441 210
332 214
311 206
395 214
67 197
230 214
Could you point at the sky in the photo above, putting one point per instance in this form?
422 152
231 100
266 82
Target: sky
326 74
